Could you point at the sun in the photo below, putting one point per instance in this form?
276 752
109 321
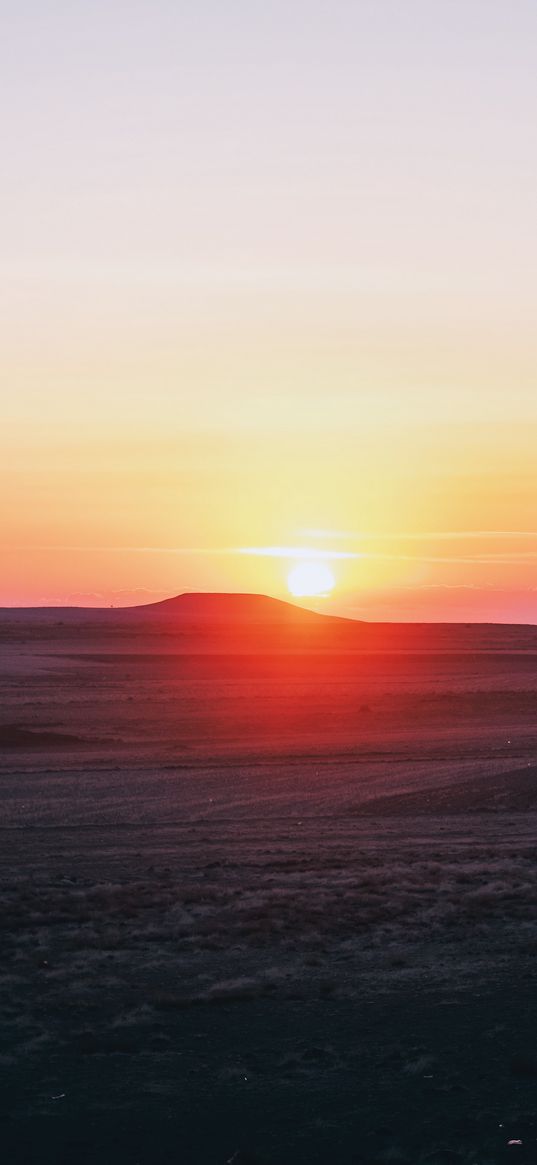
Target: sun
310 578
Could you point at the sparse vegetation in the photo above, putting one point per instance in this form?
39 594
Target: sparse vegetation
290 941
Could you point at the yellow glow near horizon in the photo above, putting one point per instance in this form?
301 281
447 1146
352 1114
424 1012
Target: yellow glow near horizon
309 579
266 304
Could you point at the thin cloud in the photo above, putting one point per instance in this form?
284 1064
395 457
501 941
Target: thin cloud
450 535
297 552
416 536
498 558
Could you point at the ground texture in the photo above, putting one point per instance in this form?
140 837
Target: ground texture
267 907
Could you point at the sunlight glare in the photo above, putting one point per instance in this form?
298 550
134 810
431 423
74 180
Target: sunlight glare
310 578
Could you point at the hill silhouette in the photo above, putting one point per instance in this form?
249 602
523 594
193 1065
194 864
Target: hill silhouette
232 607
191 609
241 622
193 621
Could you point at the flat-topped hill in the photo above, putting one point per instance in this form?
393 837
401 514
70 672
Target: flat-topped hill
237 622
201 608
231 607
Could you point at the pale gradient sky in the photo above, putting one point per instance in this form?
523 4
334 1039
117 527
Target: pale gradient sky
270 269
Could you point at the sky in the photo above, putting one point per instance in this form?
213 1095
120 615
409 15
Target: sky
269 281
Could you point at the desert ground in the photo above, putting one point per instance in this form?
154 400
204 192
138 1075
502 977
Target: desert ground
268 889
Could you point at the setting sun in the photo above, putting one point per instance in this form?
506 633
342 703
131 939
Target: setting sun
310 578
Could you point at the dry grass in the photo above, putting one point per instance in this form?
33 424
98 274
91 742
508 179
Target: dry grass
81 954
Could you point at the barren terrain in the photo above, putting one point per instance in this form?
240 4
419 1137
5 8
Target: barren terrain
268 890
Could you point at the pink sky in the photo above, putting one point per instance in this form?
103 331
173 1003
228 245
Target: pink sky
270 271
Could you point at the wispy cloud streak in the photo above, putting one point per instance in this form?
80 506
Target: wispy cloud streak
498 557
417 536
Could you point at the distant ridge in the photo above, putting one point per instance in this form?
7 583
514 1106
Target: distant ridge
191 607
234 622
232 607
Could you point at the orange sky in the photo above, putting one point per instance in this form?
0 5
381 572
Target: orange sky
269 281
